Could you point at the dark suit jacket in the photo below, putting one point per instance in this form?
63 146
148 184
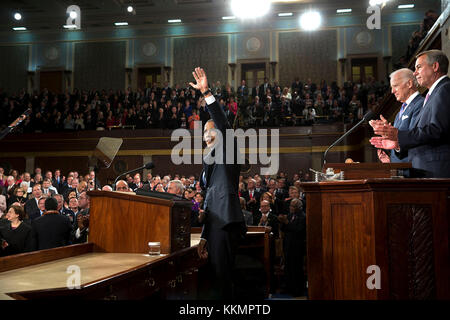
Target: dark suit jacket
272 221
222 206
406 120
255 92
51 230
242 91
31 209
262 91
427 144
294 235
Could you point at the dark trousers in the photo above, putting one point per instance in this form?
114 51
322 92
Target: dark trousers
217 275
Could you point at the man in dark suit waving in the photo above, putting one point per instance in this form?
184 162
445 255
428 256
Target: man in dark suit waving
404 87
224 224
427 143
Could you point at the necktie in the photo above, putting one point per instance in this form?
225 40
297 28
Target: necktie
401 110
426 99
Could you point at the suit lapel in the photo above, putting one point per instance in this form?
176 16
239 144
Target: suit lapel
430 99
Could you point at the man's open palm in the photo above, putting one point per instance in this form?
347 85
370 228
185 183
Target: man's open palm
200 78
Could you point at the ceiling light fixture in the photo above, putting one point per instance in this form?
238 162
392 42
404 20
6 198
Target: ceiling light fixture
174 20
310 20
121 23
70 26
247 9
229 18
405 6
343 10
285 14
17 16
19 28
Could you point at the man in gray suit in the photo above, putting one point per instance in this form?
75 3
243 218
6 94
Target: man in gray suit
427 143
224 224
404 87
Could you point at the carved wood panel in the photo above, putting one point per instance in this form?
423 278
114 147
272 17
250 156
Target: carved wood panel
410 242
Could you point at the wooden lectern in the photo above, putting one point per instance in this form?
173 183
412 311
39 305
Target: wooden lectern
125 222
393 229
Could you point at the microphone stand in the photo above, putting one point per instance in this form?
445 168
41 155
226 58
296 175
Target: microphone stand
366 117
147 166
15 123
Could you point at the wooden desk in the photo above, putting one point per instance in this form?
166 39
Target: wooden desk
107 276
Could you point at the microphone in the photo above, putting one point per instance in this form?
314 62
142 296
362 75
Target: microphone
368 116
147 166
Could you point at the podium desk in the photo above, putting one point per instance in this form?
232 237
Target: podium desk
392 230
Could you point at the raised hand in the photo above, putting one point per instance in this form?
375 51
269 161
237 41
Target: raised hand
386 130
380 122
201 80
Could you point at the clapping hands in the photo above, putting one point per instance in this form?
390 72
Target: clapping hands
388 134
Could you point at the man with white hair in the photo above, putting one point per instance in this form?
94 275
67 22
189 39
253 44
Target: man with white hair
175 187
404 86
122 186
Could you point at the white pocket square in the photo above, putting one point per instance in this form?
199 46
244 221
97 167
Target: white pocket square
405 117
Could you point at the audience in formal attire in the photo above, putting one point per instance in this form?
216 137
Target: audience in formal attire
16 236
67 219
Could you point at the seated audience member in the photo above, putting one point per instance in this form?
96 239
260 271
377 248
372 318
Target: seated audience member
122 186
175 187
47 188
107 188
267 218
248 216
61 209
81 229
37 179
2 207
31 206
20 195
294 228
74 210
293 194
197 212
189 194
41 205
71 193
137 183
52 229
16 236
159 187
269 197
251 196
